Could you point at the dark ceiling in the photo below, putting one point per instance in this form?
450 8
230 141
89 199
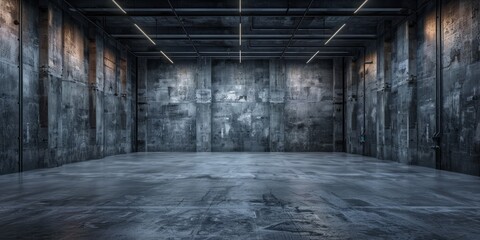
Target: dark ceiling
270 28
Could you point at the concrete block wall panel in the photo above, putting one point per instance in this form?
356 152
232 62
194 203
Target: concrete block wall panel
309 106
170 97
338 104
371 100
63 93
203 97
142 105
461 86
33 154
426 66
240 108
9 75
222 105
401 104
354 105
278 88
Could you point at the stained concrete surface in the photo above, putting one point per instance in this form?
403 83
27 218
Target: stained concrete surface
78 86
239 196
221 105
394 116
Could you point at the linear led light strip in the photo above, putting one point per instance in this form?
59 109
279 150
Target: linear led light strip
313 57
240 35
165 55
335 34
144 34
358 9
118 5
240 30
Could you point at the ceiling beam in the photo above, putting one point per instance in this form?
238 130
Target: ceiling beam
248 12
246 36
235 56
245 52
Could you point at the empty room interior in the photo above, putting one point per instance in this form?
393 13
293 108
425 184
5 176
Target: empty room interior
240 119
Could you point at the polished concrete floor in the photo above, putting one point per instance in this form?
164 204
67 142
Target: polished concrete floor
239 196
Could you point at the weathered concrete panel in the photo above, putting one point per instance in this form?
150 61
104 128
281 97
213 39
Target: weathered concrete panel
63 89
405 104
203 102
9 75
169 104
309 106
222 105
240 109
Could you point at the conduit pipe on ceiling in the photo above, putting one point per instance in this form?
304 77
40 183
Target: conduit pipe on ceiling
296 29
183 27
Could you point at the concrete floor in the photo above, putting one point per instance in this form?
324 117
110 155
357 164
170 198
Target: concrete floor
239 196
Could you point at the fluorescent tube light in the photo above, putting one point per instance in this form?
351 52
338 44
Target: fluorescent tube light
118 5
144 34
358 9
313 57
335 33
240 35
240 56
240 6
165 55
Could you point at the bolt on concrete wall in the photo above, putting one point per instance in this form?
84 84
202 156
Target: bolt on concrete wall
221 105
71 112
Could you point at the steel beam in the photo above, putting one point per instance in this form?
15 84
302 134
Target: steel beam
247 12
245 36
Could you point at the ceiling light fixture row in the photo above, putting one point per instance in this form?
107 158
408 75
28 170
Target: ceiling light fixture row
340 29
240 31
143 32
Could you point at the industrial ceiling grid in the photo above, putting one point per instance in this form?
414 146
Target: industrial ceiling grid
272 37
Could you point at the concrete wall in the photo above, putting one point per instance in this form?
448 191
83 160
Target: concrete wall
221 105
398 120
78 88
